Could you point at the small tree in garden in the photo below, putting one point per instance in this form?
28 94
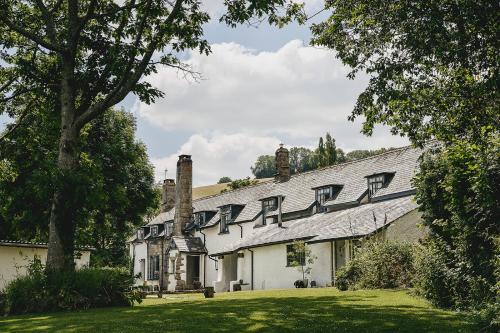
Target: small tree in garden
302 256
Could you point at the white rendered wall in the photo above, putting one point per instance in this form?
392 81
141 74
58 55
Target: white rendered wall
14 261
271 272
140 254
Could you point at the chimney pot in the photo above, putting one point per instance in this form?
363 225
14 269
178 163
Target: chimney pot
183 194
282 161
168 195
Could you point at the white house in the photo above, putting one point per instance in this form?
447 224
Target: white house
242 239
15 256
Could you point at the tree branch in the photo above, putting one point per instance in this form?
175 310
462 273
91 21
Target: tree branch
30 35
16 125
129 79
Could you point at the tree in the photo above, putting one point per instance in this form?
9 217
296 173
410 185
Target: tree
321 157
330 150
433 65
301 159
239 183
115 174
84 56
264 167
303 257
458 192
224 180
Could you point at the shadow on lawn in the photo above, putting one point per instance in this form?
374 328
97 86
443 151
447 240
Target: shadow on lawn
260 314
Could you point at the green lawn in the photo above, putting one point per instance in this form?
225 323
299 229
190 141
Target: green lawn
294 310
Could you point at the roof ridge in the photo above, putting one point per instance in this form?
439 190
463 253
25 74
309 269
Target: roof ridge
235 190
391 151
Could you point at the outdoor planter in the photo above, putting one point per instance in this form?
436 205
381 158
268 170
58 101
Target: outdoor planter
301 283
209 292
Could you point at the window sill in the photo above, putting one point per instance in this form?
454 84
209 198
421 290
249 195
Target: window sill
223 233
259 226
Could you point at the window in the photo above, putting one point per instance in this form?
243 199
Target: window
269 204
154 268
225 219
154 231
293 257
169 228
171 269
140 234
199 218
375 183
324 194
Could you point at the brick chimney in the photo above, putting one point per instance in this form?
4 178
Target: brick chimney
168 195
183 194
282 164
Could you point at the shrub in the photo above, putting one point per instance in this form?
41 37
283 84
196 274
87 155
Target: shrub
378 264
81 289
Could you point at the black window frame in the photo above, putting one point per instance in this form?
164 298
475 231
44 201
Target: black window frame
225 219
154 267
292 255
140 234
169 228
375 183
155 232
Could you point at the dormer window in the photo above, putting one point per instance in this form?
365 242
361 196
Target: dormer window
378 181
201 218
169 228
326 193
154 231
269 204
140 234
225 219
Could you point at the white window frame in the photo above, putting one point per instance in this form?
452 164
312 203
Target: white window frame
375 183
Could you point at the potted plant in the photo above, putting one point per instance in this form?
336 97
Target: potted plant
302 259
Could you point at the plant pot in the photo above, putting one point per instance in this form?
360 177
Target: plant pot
209 292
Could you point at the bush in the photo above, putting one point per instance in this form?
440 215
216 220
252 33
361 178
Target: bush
378 264
81 289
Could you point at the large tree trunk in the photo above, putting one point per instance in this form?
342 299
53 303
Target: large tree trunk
62 222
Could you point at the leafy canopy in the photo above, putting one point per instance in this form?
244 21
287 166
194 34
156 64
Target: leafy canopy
433 64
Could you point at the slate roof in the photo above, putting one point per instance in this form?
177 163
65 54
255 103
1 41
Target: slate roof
15 243
299 195
355 222
189 244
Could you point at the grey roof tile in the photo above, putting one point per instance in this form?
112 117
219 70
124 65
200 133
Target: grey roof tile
189 244
354 222
298 193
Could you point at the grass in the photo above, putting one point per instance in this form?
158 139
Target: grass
294 310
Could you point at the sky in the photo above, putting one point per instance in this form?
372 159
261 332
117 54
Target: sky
260 87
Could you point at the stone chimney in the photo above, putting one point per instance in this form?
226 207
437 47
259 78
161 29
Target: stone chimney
168 195
282 164
183 194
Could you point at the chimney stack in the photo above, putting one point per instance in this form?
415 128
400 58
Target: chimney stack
168 195
282 164
183 194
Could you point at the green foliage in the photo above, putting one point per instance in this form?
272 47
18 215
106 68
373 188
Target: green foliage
115 181
376 265
304 159
239 183
458 192
264 167
433 64
303 257
74 290
224 180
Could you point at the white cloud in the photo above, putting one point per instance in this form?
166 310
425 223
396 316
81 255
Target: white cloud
295 94
218 155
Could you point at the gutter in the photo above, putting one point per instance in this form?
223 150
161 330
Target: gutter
251 270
